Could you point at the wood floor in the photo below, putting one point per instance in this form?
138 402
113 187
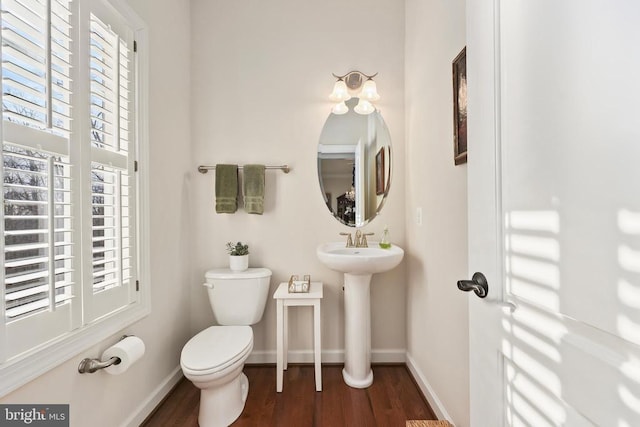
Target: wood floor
390 401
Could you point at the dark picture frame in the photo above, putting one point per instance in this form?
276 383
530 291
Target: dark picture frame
380 172
459 69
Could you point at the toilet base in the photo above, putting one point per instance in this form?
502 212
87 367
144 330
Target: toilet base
221 406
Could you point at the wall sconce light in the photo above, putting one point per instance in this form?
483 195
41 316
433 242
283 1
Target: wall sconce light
354 84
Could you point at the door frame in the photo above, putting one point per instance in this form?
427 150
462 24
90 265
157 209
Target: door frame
484 208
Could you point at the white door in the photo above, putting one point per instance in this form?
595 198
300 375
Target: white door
554 211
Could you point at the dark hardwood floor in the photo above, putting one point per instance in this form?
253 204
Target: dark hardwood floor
390 401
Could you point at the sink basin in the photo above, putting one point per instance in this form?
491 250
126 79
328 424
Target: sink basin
358 265
359 260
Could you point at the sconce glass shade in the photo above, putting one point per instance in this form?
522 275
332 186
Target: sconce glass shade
369 91
364 107
340 92
340 108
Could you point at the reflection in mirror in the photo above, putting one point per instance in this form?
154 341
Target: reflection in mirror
354 165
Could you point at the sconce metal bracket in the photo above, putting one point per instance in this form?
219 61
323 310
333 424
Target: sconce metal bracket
354 79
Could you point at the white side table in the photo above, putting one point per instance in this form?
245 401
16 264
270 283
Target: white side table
284 300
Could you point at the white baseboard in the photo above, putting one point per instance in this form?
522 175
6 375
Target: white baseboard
328 356
149 404
427 390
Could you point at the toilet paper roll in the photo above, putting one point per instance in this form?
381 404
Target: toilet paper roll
129 350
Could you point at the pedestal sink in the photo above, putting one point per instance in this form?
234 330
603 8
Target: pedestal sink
358 264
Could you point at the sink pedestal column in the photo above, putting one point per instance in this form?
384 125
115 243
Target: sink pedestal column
357 336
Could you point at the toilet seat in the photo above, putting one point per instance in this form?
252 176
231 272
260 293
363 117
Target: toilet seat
216 348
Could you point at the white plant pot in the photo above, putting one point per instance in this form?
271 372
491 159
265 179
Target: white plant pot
238 262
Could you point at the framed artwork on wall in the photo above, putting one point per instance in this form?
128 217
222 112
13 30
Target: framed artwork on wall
380 172
459 67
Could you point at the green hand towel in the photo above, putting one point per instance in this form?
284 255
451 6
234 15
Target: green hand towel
253 189
226 188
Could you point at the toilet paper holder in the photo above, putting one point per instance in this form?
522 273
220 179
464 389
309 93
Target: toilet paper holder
89 366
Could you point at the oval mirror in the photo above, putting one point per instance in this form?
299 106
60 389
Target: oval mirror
354 165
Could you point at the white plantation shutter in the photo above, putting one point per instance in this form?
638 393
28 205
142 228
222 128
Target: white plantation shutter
38 238
68 136
112 193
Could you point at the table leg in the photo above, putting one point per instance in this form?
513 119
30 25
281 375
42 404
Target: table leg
317 345
279 345
285 331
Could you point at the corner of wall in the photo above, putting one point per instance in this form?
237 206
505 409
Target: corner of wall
437 313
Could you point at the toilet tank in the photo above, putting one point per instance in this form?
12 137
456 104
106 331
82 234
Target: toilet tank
238 297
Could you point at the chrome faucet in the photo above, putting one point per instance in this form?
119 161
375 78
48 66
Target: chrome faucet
349 240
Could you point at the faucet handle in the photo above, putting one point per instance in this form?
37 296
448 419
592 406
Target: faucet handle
358 241
349 240
363 240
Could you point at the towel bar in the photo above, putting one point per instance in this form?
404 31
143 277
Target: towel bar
205 169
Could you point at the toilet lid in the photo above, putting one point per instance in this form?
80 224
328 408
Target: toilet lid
216 347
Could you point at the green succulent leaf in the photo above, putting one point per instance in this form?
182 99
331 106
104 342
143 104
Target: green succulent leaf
237 249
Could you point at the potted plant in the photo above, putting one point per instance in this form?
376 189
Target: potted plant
238 256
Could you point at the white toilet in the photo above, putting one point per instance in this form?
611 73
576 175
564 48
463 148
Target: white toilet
214 358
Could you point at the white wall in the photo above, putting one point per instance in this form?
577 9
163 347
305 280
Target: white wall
100 399
261 77
437 319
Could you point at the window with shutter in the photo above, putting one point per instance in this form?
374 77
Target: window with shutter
69 190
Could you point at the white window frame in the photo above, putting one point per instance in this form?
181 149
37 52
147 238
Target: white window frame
30 365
